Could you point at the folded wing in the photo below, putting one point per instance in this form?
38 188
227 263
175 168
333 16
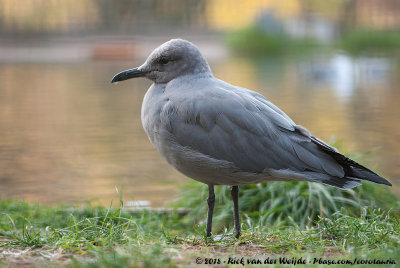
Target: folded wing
240 126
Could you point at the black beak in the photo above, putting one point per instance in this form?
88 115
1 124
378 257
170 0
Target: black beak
128 74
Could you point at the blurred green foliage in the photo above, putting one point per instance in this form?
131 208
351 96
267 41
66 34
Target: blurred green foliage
254 41
367 40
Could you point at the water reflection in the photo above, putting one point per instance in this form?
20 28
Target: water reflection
345 74
68 135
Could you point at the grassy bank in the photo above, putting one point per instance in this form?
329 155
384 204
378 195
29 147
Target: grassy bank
280 221
36 235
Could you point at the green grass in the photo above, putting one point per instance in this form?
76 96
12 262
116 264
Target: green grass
99 237
102 236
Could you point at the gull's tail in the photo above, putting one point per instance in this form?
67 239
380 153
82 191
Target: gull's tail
354 172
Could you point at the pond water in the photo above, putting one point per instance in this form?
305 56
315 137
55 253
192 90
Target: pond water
68 135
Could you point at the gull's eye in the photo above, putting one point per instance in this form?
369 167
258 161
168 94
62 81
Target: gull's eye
163 61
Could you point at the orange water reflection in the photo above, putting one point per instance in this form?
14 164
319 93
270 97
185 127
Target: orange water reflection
68 135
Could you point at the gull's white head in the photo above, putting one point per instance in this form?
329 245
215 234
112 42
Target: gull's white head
172 59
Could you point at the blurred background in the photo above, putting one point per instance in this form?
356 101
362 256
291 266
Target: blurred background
68 136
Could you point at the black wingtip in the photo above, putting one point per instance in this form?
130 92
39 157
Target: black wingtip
352 168
387 183
366 174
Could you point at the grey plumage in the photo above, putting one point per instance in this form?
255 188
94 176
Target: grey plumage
222 134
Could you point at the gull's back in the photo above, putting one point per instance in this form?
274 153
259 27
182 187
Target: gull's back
221 134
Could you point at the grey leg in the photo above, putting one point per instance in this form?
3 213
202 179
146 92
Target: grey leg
235 198
210 201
